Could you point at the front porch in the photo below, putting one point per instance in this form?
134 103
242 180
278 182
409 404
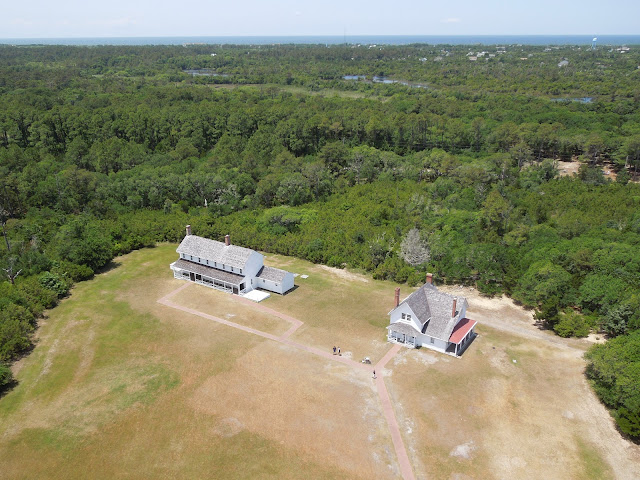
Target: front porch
210 277
461 337
409 341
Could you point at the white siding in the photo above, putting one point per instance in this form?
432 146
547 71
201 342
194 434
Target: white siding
253 265
277 287
287 282
249 271
425 342
396 316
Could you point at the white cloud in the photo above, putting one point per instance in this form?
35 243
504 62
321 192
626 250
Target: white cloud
450 20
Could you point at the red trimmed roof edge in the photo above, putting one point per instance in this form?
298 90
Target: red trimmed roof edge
461 329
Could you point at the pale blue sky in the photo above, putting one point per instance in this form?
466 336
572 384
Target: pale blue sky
132 18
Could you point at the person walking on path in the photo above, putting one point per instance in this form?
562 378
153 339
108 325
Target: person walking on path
374 374
334 349
339 351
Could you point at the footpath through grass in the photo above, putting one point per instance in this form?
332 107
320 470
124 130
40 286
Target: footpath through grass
105 392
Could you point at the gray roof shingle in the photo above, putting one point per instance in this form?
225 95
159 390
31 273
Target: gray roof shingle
271 274
433 309
214 251
404 328
209 272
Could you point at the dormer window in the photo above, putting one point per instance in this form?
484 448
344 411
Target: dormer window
406 316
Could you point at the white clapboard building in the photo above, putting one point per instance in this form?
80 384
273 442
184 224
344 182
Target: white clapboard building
431 319
227 267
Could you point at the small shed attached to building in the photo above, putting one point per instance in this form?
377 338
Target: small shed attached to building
227 267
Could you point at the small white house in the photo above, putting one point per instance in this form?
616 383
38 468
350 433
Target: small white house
227 267
432 319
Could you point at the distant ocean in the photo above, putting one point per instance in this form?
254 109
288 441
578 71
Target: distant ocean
334 40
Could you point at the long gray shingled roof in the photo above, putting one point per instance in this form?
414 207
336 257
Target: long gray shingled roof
213 273
271 274
214 251
433 306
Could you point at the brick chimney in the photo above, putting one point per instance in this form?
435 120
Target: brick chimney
227 240
430 278
188 229
453 310
397 300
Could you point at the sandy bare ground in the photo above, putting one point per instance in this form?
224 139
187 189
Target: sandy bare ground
567 169
345 274
504 315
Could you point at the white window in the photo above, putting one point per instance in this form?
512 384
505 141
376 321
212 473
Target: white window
406 316
240 271
432 340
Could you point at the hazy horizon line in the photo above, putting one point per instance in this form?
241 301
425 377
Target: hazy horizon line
342 35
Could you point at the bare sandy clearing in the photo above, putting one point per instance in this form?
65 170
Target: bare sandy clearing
345 274
572 168
502 313
514 413
568 168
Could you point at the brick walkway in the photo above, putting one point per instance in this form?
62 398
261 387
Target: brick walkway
387 407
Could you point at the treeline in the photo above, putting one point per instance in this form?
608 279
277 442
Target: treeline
525 69
109 149
106 126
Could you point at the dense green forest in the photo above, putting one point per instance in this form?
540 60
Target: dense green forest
447 164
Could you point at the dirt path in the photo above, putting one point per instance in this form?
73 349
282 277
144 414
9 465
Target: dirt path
398 444
295 323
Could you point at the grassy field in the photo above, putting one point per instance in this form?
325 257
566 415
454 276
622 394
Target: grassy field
121 386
